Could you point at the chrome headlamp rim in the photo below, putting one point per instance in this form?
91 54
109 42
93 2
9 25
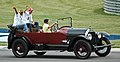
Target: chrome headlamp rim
99 35
89 36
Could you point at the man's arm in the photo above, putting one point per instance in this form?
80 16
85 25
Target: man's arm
26 8
51 25
15 10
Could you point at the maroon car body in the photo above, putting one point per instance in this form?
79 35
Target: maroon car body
45 38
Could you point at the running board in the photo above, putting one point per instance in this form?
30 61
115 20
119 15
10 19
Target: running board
51 47
103 46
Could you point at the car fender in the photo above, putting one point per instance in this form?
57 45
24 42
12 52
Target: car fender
75 39
18 37
103 34
83 37
24 38
80 37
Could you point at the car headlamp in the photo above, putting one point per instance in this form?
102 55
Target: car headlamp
89 36
99 36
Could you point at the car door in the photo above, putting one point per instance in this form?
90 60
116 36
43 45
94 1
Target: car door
46 38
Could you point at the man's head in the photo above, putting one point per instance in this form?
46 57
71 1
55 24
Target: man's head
30 10
21 12
46 21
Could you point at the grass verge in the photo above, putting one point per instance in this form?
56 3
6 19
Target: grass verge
116 42
3 44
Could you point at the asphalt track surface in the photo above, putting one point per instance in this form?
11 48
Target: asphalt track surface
52 56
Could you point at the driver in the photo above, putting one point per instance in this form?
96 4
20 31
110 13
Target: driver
46 27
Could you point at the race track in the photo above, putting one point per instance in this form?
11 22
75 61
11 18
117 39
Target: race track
7 56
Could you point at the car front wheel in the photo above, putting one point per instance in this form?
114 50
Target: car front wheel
20 48
104 51
82 49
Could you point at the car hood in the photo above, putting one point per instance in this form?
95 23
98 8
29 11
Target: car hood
78 31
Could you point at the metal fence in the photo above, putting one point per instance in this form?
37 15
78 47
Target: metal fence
112 6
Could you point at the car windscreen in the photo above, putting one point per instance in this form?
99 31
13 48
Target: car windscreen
65 22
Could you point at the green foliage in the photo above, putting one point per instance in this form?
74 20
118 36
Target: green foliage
117 43
85 13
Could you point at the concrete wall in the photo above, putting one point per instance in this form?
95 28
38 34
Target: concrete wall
3 35
112 6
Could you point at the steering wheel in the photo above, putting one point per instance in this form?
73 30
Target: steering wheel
54 28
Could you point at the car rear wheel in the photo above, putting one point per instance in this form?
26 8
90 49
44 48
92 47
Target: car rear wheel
20 48
82 49
104 51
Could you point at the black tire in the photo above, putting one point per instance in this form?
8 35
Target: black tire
20 48
108 48
81 47
39 53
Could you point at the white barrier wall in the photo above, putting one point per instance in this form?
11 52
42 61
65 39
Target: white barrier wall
3 37
112 6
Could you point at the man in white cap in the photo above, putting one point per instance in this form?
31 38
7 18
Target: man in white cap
27 16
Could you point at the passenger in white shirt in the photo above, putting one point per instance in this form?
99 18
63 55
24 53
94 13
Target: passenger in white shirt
46 27
27 17
18 20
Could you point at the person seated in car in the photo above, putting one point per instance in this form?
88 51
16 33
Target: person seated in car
18 20
46 26
27 16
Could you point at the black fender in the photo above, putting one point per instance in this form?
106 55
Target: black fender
103 34
10 42
10 39
75 39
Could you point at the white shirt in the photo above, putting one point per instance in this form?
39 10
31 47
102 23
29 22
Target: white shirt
17 20
45 28
27 18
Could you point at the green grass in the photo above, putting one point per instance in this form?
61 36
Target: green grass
85 13
3 44
116 42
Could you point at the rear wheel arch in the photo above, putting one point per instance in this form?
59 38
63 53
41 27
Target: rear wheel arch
23 38
11 42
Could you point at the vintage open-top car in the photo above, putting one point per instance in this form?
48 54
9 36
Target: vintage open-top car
81 41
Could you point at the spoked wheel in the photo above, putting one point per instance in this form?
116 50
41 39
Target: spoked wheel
20 48
104 51
39 53
82 49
